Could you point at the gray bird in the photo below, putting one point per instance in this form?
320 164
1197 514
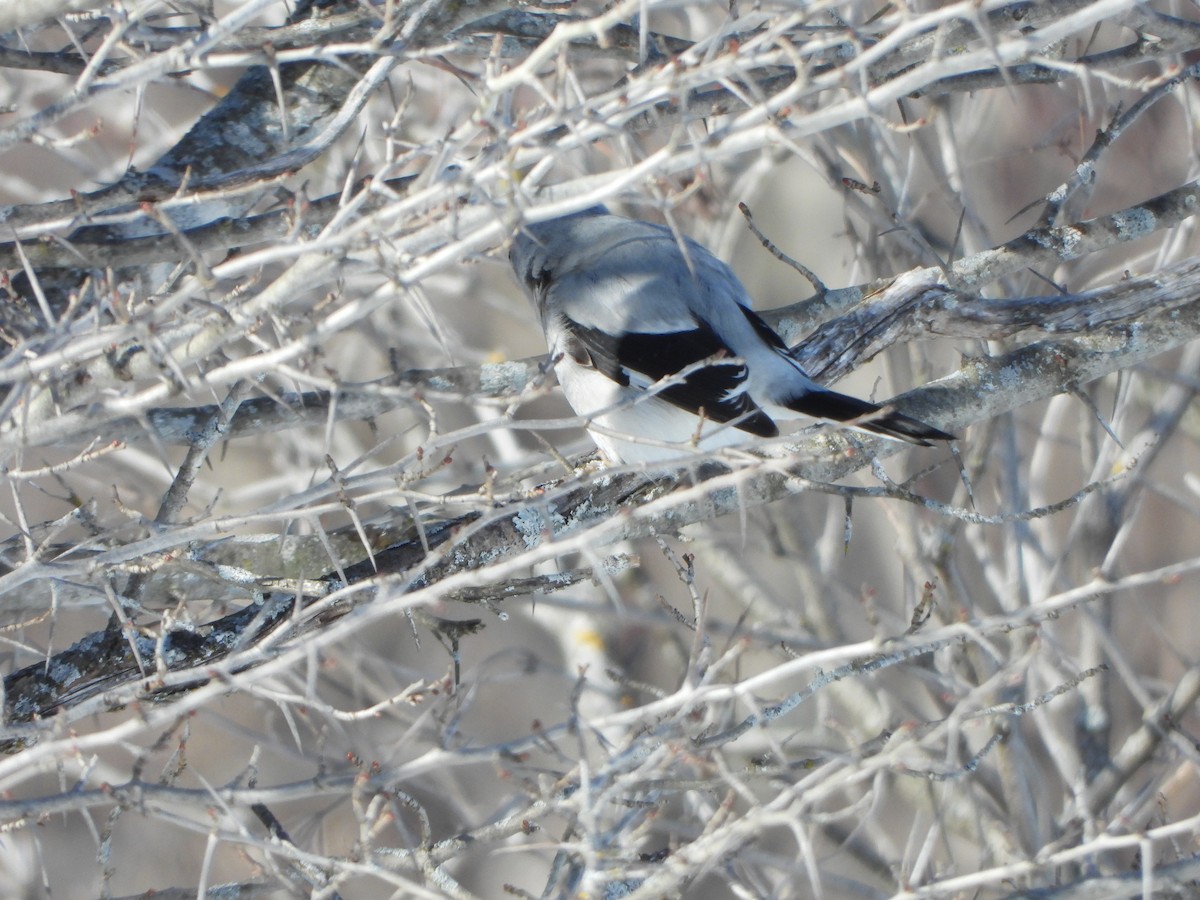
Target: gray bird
657 346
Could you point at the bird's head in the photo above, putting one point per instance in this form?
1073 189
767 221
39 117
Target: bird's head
539 251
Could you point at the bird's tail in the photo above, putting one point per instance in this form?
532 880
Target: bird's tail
836 407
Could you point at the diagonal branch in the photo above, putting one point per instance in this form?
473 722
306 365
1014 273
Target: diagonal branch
620 507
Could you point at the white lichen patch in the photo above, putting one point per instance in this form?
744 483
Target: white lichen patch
1066 242
226 639
1058 195
532 525
1134 223
582 514
503 377
1009 378
64 674
724 498
613 565
438 383
461 558
149 648
236 575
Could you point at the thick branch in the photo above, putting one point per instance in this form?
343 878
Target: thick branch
618 505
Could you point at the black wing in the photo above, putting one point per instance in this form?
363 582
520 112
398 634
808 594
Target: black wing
836 407
718 388
842 408
765 331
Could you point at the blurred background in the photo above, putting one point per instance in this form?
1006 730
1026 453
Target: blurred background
844 692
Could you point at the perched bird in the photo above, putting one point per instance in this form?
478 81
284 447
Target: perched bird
657 346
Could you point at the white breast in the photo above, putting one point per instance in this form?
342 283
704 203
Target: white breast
631 426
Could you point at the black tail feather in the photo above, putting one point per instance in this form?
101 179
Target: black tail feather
836 407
